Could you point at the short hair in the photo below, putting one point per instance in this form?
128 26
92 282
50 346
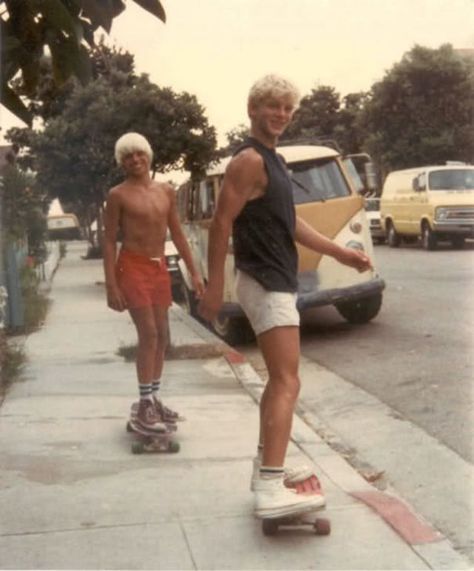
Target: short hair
273 86
129 143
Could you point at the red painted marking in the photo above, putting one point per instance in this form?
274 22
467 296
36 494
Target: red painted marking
400 516
234 357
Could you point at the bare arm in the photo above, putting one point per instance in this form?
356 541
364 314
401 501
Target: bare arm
309 237
179 240
115 299
244 179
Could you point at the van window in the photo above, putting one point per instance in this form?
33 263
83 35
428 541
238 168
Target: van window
455 179
313 182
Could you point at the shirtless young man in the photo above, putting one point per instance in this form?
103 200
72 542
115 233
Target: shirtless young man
256 205
138 278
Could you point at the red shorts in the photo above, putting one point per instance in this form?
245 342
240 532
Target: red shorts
143 281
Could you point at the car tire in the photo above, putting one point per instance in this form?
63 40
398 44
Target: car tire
429 240
393 237
361 310
233 330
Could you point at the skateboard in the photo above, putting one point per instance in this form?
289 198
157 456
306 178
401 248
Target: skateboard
133 416
321 526
148 440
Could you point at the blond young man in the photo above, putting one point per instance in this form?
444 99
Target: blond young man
137 279
255 205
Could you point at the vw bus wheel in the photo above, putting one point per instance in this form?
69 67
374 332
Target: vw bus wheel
361 310
233 330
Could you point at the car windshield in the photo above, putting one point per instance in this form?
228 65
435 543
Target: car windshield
317 182
451 179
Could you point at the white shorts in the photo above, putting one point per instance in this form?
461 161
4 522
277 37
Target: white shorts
265 309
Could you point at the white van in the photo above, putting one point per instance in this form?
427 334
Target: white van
325 198
432 202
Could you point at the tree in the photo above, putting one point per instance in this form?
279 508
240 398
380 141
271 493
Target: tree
235 137
317 115
73 154
24 210
348 131
65 28
421 111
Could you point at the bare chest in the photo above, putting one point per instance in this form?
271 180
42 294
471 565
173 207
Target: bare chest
147 207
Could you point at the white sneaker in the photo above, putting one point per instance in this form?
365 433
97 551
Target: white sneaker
293 475
273 499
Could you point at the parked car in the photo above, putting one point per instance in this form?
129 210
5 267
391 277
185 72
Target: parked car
372 210
431 202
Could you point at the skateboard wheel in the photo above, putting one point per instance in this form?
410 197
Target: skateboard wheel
173 446
137 447
322 527
269 527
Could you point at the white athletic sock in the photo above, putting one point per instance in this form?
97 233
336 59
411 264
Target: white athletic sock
145 391
271 472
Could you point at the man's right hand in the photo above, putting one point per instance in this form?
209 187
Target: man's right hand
209 305
115 299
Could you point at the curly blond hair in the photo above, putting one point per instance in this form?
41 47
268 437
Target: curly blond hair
273 86
129 143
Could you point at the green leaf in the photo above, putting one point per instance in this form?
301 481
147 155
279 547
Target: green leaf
58 16
15 105
154 7
99 13
82 66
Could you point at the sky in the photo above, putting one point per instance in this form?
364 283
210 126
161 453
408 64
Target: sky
216 49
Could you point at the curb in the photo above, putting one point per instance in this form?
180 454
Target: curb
426 541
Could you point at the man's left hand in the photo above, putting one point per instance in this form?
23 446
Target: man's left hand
355 259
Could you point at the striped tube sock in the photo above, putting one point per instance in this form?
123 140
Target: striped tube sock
145 391
155 387
271 472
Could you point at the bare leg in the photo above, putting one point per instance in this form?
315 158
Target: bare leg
280 348
161 322
144 320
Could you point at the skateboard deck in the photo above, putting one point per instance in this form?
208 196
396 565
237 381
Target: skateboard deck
133 416
321 526
147 440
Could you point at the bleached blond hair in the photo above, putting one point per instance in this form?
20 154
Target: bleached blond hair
129 143
273 86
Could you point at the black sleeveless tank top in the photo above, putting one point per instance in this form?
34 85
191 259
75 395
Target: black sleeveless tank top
263 232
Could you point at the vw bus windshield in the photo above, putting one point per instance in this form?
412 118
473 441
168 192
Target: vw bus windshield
317 182
451 179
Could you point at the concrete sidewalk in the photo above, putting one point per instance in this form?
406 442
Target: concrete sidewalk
72 496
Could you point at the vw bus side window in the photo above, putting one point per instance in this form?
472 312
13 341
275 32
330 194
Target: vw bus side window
206 199
193 203
317 182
